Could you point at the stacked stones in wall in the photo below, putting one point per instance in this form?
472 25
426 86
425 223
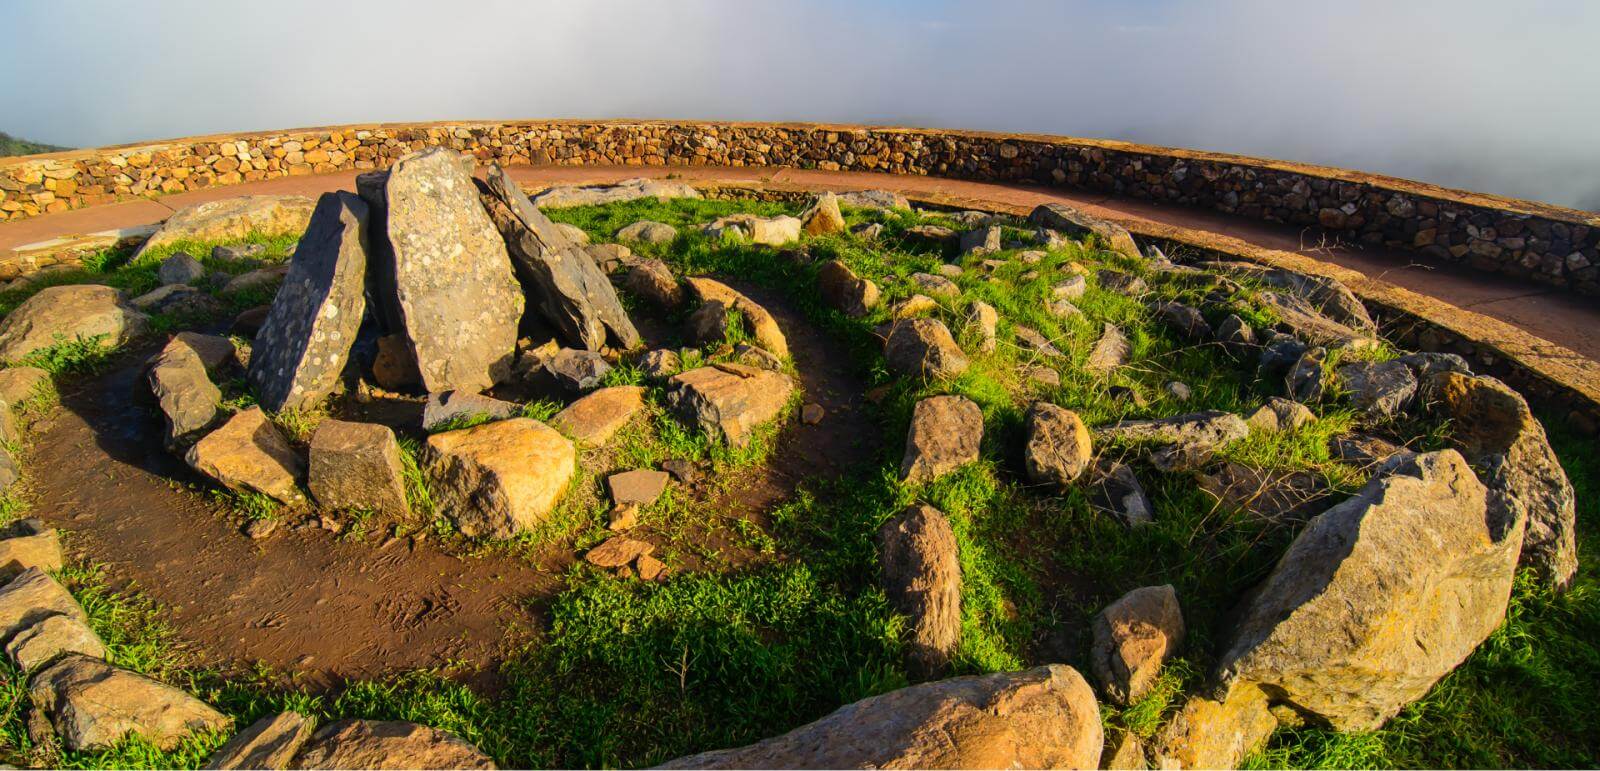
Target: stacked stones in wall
1547 244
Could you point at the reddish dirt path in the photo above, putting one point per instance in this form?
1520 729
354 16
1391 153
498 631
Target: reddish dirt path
1553 314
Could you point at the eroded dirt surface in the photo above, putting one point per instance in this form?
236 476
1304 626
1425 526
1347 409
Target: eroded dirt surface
305 601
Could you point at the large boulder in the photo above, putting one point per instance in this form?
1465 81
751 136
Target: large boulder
921 573
1494 428
1056 216
61 314
925 348
626 190
1380 596
651 280
945 434
560 279
232 219
845 291
269 743
357 466
249 454
93 705
729 400
443 274
388 744
595 418
763 327
501 478
296 358
1044 717
1058 448
1133 637
188 400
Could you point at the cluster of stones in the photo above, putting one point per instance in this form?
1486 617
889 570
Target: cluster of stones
1544 243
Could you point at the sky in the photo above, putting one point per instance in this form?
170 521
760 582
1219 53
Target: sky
1487 95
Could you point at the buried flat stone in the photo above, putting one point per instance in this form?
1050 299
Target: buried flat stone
639 487
923 347
68 313
188 400
269 743
249 454
1280 414
945 434
1045 717
232 219
51 637
300 351
388 744
921 574
938 286
763 327
444 277
770 231
558 277
649 232
1208 428
729 401
357 466
626 190
1133 637
93 705
452 406
618 551
500 478
1056 216
1110 351
595 418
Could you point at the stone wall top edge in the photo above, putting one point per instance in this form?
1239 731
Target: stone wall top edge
1332 173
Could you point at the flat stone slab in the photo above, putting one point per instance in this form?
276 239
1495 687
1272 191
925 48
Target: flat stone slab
93 705
729 401
595 418
640 487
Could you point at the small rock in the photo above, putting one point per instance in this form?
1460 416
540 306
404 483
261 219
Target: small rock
921 574
660 363
1424 365
1178 390
1110 351
249 454
1363 451
640 487
982 323
258 529
1215 734
763 327
980 241
1057 448
652 281
180 268
1030 339
239 252
1071 288
1044 376
1186 320
1235 334
811 414
381 744
610 258
1063 309
32 550
945 434
650 568
394 367
1306 380
823 217
684 471
1120 282
844 290
1066 219
648 232
876 199
624 516
269 743
577 370
915 305
868 231
595 418
756 356
1133 637
1382 390
938 286
449 407
948 270
1120 493
357 466
1280 354
923 347
260 280
1280 414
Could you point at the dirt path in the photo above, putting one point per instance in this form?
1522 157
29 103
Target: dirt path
306 601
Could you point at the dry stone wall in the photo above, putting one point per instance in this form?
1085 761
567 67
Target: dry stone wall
1546 243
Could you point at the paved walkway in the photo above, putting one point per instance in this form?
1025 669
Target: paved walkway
1556 315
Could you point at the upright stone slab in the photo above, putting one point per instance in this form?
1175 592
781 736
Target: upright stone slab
357 466
921 574
301 349
445 272
559 278
189 401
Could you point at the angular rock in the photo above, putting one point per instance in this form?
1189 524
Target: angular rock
1306 381
575 235
1110 351
188 400
1118 491
769 231
708 325
823 218
921 574
93 705
1120 282
176 300
1328 296
1382 389
1133 637
1126 754
58 314
1044 717
388 744
40 550
875 199
1215 734
1362 451
1279 354
763 327
1424 365
53 636
500 478
983 323
640 487
180 268
652 281
1030 339
1495 429
1306 322
232 219
261 280
452 406
1178 390
249 454
649 232
1070 288
559 279
923 347
660 363
610 257
237 252
215 351
915 305
755 356
595 418
1068 220
650 568
1058 448
1186 320
729 401
269 743
29 598
980 241
444 276
934 235
845 291
357 466
301 349
1280 414
618 551
626 190
868 231
811 413
1272 496
945 434
1235 334
1380 596
1209 428
577 371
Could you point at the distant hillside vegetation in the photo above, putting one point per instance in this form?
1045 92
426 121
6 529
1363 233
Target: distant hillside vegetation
10 145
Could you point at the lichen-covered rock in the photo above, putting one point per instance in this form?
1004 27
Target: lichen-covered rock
1187 320
626 190
652 281
595 418
983 323
232 219
1058 447
1110 351
1066 219
921 573
388 744
844 290
1495 429
945 434
498 479
558 278
980 241
729 400
925 348
453 406
68 313
180 268
763 327
357 466
300 351
1032 340
1380 596
1307 323
875 199
1044 717
1382 389
269 743
443 270
187 398
823 217
1280 414
93 705
1133 637
649 232
249 454
1207 733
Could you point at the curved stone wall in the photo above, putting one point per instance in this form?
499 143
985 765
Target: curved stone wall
1547 243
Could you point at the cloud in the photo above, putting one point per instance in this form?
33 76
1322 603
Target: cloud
1467 93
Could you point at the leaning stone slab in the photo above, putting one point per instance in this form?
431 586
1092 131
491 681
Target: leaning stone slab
921 574
188 400
300 351
729 401
1044 717
1380 596
232 219
93 705
356 466
59 314
269 743
1068 220
29 598
944 436
443 271
249 454
501 478
388 744
762 325
595 418
53 636
558 277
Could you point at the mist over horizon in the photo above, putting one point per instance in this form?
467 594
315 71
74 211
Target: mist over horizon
1475 94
